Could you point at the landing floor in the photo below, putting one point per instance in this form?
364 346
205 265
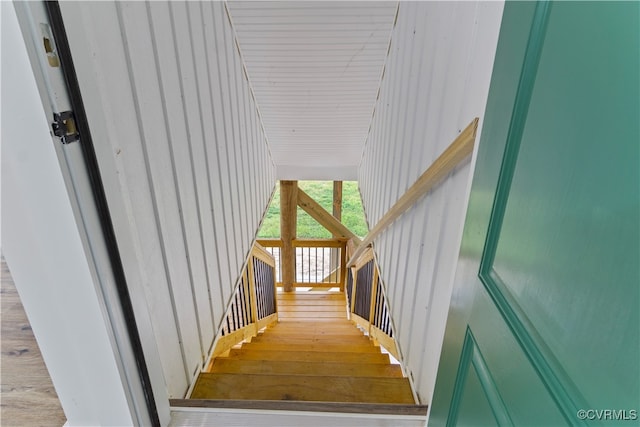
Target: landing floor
28 397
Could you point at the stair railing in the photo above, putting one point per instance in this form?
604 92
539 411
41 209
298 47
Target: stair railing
367 302
274 248
254 305
319 263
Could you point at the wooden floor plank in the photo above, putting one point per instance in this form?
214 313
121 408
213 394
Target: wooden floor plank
28 397
301 387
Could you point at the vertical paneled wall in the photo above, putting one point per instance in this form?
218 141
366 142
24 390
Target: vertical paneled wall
436 81
192 163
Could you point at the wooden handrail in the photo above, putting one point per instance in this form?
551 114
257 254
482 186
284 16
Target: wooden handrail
270 243
318 243
459 149
258 251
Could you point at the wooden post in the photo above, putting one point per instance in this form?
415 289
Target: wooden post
374 292
337 200
343 266
288 221
337 213
354 274
252 294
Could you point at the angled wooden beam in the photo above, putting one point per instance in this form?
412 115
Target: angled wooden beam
459 149
323 217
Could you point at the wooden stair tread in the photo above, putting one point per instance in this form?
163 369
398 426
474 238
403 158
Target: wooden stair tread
311 308
313 324
329 324
319 295
308 356
302 387
314 333
318 320
313 336
302 339
342 302
235 366
312 354
315 315
346 348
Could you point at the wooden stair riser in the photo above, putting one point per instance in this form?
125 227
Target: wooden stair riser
234 366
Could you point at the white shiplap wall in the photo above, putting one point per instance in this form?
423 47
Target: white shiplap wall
436 81
315 67
194 173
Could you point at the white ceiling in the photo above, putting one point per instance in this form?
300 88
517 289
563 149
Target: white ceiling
315 68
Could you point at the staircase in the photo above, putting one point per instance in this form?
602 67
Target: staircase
314 354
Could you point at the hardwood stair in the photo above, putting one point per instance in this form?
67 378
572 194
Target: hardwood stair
313 354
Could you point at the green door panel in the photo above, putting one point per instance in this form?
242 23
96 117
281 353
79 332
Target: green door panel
547 284
474 407
524 394
572 183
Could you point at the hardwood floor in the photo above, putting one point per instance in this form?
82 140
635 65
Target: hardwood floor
27 397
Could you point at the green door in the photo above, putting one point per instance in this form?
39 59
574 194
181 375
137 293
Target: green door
543 321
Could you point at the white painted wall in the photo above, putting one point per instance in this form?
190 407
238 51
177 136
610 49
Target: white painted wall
436 81
43 243
183 156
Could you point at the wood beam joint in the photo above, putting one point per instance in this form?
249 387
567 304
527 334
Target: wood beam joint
323 217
